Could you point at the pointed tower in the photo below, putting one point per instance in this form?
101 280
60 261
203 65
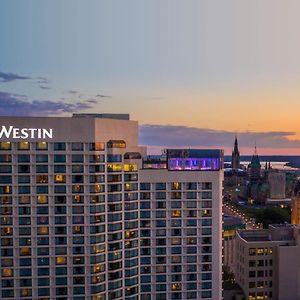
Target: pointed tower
235 159
255 167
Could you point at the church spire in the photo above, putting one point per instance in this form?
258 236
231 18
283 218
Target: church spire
235 160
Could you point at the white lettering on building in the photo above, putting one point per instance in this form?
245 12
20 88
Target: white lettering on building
25 133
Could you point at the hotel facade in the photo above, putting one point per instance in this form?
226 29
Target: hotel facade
85 214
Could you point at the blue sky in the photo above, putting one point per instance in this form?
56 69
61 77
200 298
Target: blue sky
214 65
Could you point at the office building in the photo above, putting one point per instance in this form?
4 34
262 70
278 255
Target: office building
267 264
82 216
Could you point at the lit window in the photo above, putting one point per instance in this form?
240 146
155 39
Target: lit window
176 286
260 251
60 178
24 199
114 167
42 199
61 260
25 292
42 179
23 146
43 230
41 146
6 272
5 146
176 241
99 146
130 167
25 251
130 234
77 199
7 231
176 186
98 268
176 213
78 229
116 144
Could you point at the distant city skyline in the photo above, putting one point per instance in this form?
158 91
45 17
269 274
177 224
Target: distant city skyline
191 71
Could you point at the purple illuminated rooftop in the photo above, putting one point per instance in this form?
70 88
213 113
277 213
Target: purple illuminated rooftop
186 160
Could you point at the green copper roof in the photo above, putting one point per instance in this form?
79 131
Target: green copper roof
255 161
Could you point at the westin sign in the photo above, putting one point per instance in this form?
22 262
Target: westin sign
25 133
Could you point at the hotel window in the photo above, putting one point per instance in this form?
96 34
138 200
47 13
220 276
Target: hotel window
5 169
60 189
97 146
41 158
176 186
130 167
7 189
176 195
40 169
5 200
25 251
24 199
206 195
42 199
260 251
206 213
206 185
77 169
23 158
61 260
97 158
24 168
191 185
59 169
116 144
7 272
176 214
77 146
41 146
77 188
77 199
42 230
23 146
5 145
59 178
114 158
42 179
59 158
24 189
77 158
114 168
5 158
59 146
23 179
5 179
42 189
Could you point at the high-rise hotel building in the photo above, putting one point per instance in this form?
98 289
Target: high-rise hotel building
83 216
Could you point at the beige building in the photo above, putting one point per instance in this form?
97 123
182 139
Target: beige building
267 263
83 216
296 210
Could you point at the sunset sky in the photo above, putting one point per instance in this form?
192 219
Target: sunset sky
192 72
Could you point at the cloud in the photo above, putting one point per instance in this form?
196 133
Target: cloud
44 87
16 105
172 136
8 77
102 96
42 80
72 92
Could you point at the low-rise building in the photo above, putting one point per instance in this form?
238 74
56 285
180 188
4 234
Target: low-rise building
267 264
